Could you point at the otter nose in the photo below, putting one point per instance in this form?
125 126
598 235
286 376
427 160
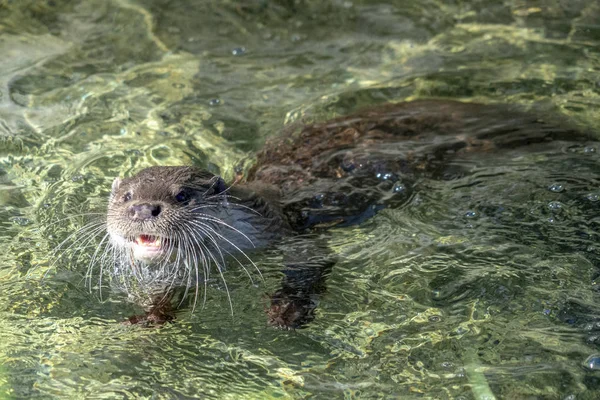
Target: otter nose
144 211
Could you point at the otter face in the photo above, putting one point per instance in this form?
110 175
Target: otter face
162 211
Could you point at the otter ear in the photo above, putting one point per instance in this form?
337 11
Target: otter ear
115 186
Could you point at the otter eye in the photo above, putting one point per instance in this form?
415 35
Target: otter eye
181 197
126 197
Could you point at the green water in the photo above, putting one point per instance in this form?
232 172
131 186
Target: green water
480 287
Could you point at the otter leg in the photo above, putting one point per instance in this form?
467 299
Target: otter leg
293 305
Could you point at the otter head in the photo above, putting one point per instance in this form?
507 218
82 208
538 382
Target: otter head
162 212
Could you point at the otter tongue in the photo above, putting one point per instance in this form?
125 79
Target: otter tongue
148 240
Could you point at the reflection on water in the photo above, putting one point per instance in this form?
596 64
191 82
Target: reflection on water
484 284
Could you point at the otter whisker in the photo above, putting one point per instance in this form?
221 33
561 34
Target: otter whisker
205 266
214 242
235 258
222 277
72 216
209 236
106 236
191 257
103 260
86 228
90 231
173 274
187 275
206 217
200 224
242 206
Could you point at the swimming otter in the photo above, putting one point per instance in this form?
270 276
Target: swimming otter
168 225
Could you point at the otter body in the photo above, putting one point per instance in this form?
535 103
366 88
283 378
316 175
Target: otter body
169 225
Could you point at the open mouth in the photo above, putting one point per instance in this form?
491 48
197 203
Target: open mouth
148 241
149 246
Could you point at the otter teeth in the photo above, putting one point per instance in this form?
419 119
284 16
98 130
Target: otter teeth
148 240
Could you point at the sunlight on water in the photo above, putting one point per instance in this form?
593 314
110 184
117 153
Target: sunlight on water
475 285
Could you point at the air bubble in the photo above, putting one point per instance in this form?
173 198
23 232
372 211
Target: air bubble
384 176
214 102
317 201
593 362
348 165
470 214
554 205
556 188
238 51
593 197
21 221
398 188
589 149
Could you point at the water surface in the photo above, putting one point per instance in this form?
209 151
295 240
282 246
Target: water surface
485 285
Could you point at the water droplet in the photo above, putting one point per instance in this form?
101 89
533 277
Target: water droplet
554 205
238 51
178 85
123 131
435 318
593 197
470 214
589 149
22 221
398 187
214 102
551 220
593 362
556 188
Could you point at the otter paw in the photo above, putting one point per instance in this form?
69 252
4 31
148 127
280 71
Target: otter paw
152 318
286 312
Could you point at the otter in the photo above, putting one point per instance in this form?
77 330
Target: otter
172 226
